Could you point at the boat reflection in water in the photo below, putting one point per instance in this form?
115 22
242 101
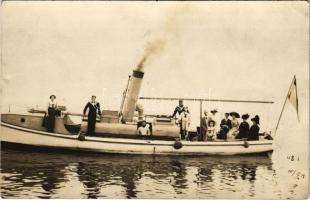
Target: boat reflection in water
28 174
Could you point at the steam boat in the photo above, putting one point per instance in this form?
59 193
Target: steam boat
116 132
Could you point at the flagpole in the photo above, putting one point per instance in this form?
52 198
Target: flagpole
296 98
284 105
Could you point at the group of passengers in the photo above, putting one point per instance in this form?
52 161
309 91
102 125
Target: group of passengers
212 128
229 128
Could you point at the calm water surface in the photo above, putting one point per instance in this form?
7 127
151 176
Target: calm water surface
28 174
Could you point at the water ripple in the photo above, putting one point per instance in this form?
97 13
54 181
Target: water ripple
54 175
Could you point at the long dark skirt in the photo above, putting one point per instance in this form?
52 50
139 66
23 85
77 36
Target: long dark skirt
242 134
182 132
203 135
223 133
51 120
91 125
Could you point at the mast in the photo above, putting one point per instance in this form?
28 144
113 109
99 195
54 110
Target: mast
124 95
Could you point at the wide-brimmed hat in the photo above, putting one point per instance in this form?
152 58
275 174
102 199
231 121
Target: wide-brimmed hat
235 114
52 96
214 111
255 119
245 116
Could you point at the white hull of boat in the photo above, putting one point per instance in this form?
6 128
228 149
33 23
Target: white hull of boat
19 135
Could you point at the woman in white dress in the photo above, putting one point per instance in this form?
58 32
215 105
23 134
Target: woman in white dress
185 120
235 126
215 117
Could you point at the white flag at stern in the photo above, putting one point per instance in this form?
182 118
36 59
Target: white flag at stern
292 96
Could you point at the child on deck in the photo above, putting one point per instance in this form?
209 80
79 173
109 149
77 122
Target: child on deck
144 128
211 130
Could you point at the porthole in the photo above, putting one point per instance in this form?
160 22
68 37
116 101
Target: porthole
22 120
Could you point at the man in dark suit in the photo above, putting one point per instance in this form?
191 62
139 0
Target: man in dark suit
92 107
225 127
204 126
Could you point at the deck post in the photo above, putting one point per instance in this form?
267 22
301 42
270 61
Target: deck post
200 132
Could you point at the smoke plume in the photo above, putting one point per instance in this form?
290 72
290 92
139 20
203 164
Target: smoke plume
152 48
170 29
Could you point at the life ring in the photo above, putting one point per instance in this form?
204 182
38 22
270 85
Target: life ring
246 144
177 145
81 137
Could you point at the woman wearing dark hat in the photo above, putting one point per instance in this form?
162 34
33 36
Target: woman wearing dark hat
244 127
51 112
235 126
225 127
254 130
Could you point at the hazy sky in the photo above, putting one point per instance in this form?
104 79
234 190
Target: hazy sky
229 50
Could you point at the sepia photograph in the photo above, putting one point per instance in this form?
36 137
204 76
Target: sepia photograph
154 99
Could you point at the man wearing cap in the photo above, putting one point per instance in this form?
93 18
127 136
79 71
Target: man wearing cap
92 107
254 130
179 110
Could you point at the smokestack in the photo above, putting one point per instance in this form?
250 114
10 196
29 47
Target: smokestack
132 95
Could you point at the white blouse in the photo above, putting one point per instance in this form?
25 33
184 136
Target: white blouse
52 104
